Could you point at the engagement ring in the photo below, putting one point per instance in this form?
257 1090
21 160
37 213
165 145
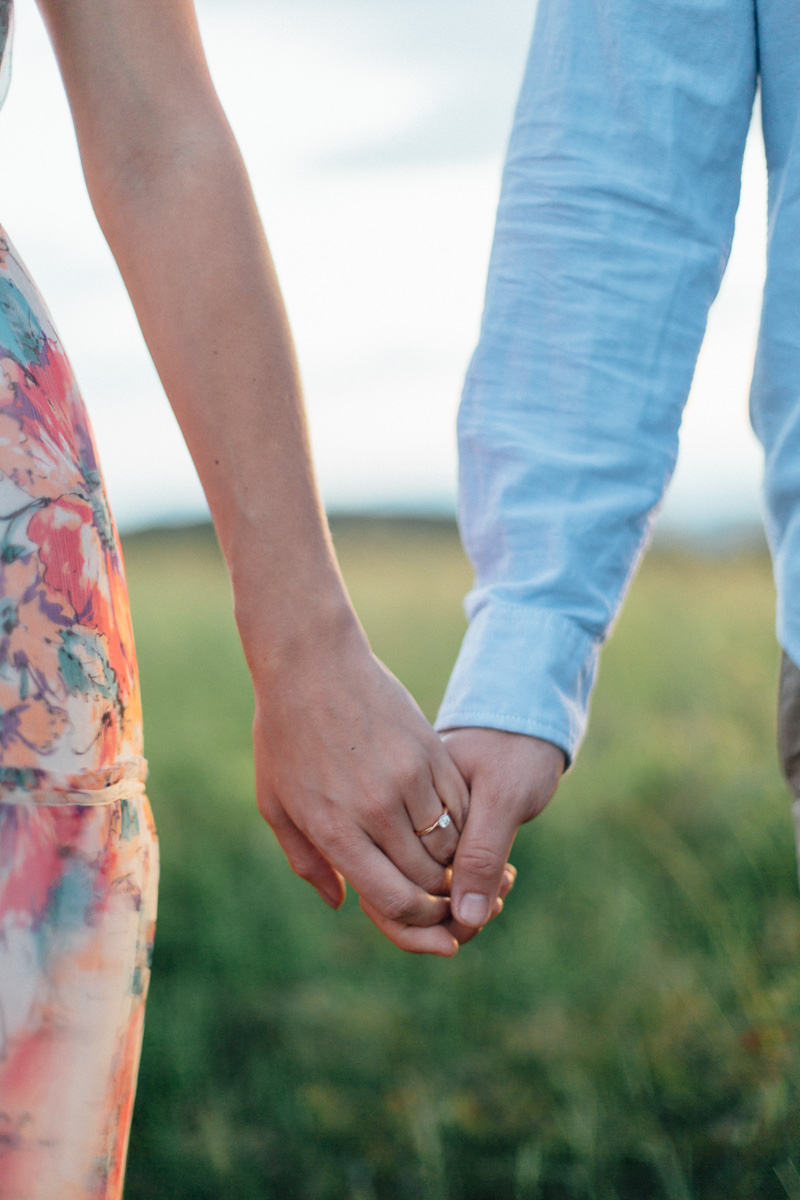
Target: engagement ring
440 823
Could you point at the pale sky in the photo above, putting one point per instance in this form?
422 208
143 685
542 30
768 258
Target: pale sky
374 132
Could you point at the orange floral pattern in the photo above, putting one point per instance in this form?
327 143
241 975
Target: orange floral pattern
77 919
78 849
69 694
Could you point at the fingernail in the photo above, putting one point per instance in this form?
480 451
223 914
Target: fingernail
473 908
510 875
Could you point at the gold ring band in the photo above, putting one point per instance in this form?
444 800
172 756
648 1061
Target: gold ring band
441 822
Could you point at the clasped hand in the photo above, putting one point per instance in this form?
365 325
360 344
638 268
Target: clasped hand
348 769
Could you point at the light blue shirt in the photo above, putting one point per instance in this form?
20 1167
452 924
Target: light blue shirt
614 227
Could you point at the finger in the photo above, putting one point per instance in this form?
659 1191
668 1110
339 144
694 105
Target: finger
441 844
390 827
449 784
416 940
376 878
305 859
481 857
465 933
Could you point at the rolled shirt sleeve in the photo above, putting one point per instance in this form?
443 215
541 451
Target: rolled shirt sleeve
613 230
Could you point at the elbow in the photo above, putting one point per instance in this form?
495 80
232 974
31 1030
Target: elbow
145 169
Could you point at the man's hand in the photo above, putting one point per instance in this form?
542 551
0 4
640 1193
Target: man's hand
511 777
347 768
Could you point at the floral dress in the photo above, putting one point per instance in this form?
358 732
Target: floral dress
78 850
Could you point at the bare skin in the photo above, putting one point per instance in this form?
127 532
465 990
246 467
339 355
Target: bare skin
346 765
511 778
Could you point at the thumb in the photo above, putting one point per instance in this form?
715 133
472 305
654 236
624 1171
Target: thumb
481 856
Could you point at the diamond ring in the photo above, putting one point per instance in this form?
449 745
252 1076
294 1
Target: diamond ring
441 822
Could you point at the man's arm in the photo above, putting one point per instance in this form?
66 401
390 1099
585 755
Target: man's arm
613 230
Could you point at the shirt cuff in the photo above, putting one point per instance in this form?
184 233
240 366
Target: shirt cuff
523 670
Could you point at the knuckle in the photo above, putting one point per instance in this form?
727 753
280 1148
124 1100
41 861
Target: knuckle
398 908
435 882
377 810
411 773
302 866
479 862
528 805
336 837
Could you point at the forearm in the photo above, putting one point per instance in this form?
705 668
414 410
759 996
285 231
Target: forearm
347 767
168 185
615 220
189 243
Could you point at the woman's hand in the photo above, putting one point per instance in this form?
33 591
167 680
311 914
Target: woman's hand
347 768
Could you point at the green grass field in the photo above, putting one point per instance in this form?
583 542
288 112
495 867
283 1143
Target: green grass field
629 1029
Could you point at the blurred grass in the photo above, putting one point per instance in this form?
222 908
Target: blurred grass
628 1030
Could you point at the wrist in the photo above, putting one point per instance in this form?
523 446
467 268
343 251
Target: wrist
291 632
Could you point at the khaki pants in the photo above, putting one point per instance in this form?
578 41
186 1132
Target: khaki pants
789 735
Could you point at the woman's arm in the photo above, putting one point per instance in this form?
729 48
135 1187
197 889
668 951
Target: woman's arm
345 762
